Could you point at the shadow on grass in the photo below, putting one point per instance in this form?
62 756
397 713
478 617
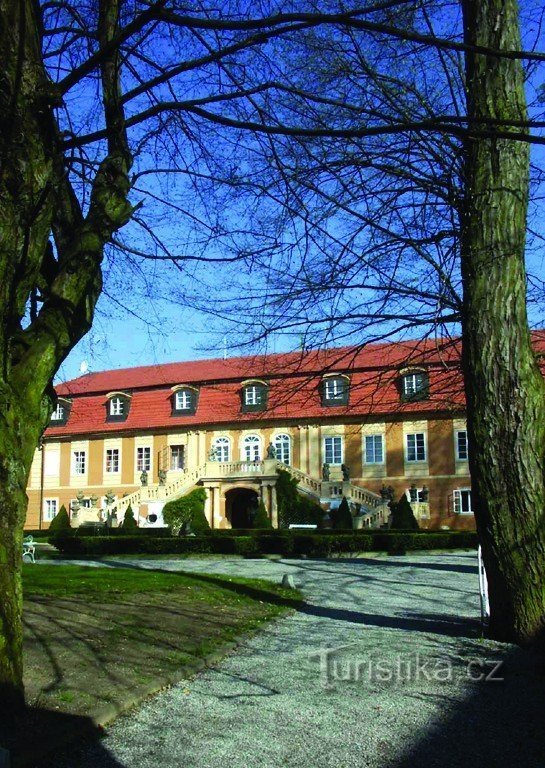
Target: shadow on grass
30 735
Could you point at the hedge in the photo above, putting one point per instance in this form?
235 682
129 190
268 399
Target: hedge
312 544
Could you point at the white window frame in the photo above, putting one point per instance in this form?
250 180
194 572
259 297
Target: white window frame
334 388
373 460
458 499
457 434
254 394
143 458
58 413
175 465
332 441
115 459
411 382
282 447
424 446
249 444
183 400
79 462
117 406
222 448
46 512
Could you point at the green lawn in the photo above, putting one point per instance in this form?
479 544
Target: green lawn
103 636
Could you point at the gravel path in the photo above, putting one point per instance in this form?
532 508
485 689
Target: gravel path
397 694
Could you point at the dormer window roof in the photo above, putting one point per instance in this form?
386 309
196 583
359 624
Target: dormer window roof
414 384
184 400
117 406
335 389
60 415
255 393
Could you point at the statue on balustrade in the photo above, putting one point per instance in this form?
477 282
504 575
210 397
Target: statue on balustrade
144 477
346 472
271 451
325 472
162 476
212 454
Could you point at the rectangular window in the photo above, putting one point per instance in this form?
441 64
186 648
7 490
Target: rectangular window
461 445
143 459
79 462
374 449
416 447
253 395
183 400
462 501
112 460
117 407
333 450
413 383
177 453
58 413
50 508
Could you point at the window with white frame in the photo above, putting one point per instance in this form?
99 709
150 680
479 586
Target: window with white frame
50 508
143 459
254 394
335 390
251 448
112 460
416 446
374 449
282 448
462 501
58 413
177 457
117 406
79 462
461 445
183 400
333 450
222 448
414 385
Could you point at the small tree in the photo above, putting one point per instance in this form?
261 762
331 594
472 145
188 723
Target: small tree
341 517
403 515
61 521
198 522
262 519
129 523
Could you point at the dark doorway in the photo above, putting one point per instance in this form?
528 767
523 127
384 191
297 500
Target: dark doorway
241 507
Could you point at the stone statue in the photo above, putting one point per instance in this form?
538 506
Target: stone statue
346 472
271 451
162 476
212 454
384 493
413 493
390 490
325 472
144 477
425 493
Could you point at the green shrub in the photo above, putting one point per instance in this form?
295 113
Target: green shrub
129 523
61 521
187 510
341 517
262 519
293 507
403 515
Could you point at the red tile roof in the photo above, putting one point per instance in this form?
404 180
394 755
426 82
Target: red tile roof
293 379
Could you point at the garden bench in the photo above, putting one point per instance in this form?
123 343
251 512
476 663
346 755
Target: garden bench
29 550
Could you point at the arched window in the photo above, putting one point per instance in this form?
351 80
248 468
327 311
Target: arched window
222 448
251 448
282 447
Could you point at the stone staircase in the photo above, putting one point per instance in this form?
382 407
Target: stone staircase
373 510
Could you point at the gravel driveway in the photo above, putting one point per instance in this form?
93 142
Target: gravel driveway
398 692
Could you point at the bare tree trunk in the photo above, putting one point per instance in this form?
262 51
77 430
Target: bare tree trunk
504 388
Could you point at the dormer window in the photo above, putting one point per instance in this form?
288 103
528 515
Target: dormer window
254 396
117 406
184 401
414 385
335 390
60 415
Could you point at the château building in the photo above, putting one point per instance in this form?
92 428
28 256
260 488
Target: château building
384 416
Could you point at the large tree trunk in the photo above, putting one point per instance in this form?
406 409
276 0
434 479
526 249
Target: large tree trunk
504 388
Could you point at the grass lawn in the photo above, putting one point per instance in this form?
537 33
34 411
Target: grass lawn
101 636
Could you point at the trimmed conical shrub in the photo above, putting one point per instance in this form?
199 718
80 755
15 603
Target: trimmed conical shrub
403 516
61 521
129 523
342 517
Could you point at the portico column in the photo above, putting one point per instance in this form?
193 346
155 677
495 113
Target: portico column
274 507
208 505
215 507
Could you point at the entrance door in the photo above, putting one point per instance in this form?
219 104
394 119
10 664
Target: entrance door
241 507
